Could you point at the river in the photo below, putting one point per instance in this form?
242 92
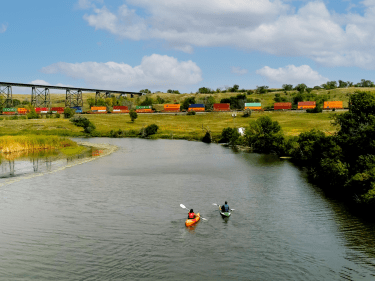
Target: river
118 218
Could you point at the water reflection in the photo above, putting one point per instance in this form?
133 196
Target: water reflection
21 163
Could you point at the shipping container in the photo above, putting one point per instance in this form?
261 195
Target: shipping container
306 104
59 110
144 110
221 106
41 110
78 109
120 107
22 110
10 109
332 104
171 107
143 107
196 107
99 108
253 105
282 105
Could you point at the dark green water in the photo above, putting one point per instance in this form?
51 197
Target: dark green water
118 218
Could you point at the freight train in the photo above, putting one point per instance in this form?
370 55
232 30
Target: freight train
217 107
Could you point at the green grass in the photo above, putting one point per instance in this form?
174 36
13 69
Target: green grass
170 125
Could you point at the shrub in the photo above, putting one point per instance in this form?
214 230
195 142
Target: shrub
83 122
207 137
57 115
68 112
229 135
151 129
133 115
33 115
247 113
192 112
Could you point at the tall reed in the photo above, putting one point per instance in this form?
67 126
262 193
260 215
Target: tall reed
10 144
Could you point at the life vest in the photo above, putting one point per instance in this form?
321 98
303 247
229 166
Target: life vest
226 208
191 216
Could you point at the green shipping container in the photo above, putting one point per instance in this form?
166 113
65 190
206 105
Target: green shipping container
11 109
253 104
143 107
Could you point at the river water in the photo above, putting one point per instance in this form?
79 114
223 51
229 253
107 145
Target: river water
118 218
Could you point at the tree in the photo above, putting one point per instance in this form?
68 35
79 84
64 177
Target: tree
229 135
287 87
187 102
150 130
343 84
204 90
83 122
262 89
68 112
147 101
264 135
300 88
133 115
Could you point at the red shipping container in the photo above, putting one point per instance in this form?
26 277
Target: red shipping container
39 109
282 105
221 107
120 107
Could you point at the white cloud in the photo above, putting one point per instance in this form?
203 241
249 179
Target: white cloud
238 70
292 74
154 71
87 4
268 26
3 28
40 82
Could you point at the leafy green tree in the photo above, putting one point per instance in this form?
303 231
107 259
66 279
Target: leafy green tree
301 88
147 101
265 135
262 89
229 135
187 102
204 90
83 122
133 115
287 87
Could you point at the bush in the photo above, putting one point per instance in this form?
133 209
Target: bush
83 122
317 109
68 112
207 137
192 112
57 115
133 115
229 135
247 113
33 115
151 130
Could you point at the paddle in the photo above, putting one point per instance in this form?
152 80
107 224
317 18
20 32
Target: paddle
183 207
219 206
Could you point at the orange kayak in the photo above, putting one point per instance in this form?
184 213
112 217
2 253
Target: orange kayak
190 222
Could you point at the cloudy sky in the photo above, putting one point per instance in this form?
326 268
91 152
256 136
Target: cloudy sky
177 44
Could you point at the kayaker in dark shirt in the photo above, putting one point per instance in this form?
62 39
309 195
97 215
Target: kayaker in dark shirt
225 207
191 214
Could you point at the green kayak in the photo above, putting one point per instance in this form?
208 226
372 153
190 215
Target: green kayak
224 214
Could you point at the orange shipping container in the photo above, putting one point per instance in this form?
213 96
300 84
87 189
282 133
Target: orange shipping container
332 104
99 108
196 109
306 104
171 107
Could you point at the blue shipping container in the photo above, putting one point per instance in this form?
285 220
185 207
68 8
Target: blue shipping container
196 105
78 109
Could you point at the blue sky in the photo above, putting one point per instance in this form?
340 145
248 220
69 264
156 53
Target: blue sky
169 44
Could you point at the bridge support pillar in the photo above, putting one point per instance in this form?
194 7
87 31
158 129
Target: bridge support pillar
6 99
73 98
40 97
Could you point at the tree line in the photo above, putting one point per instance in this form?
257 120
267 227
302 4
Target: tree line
343 164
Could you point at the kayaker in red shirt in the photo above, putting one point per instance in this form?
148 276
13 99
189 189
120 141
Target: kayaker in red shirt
191 215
